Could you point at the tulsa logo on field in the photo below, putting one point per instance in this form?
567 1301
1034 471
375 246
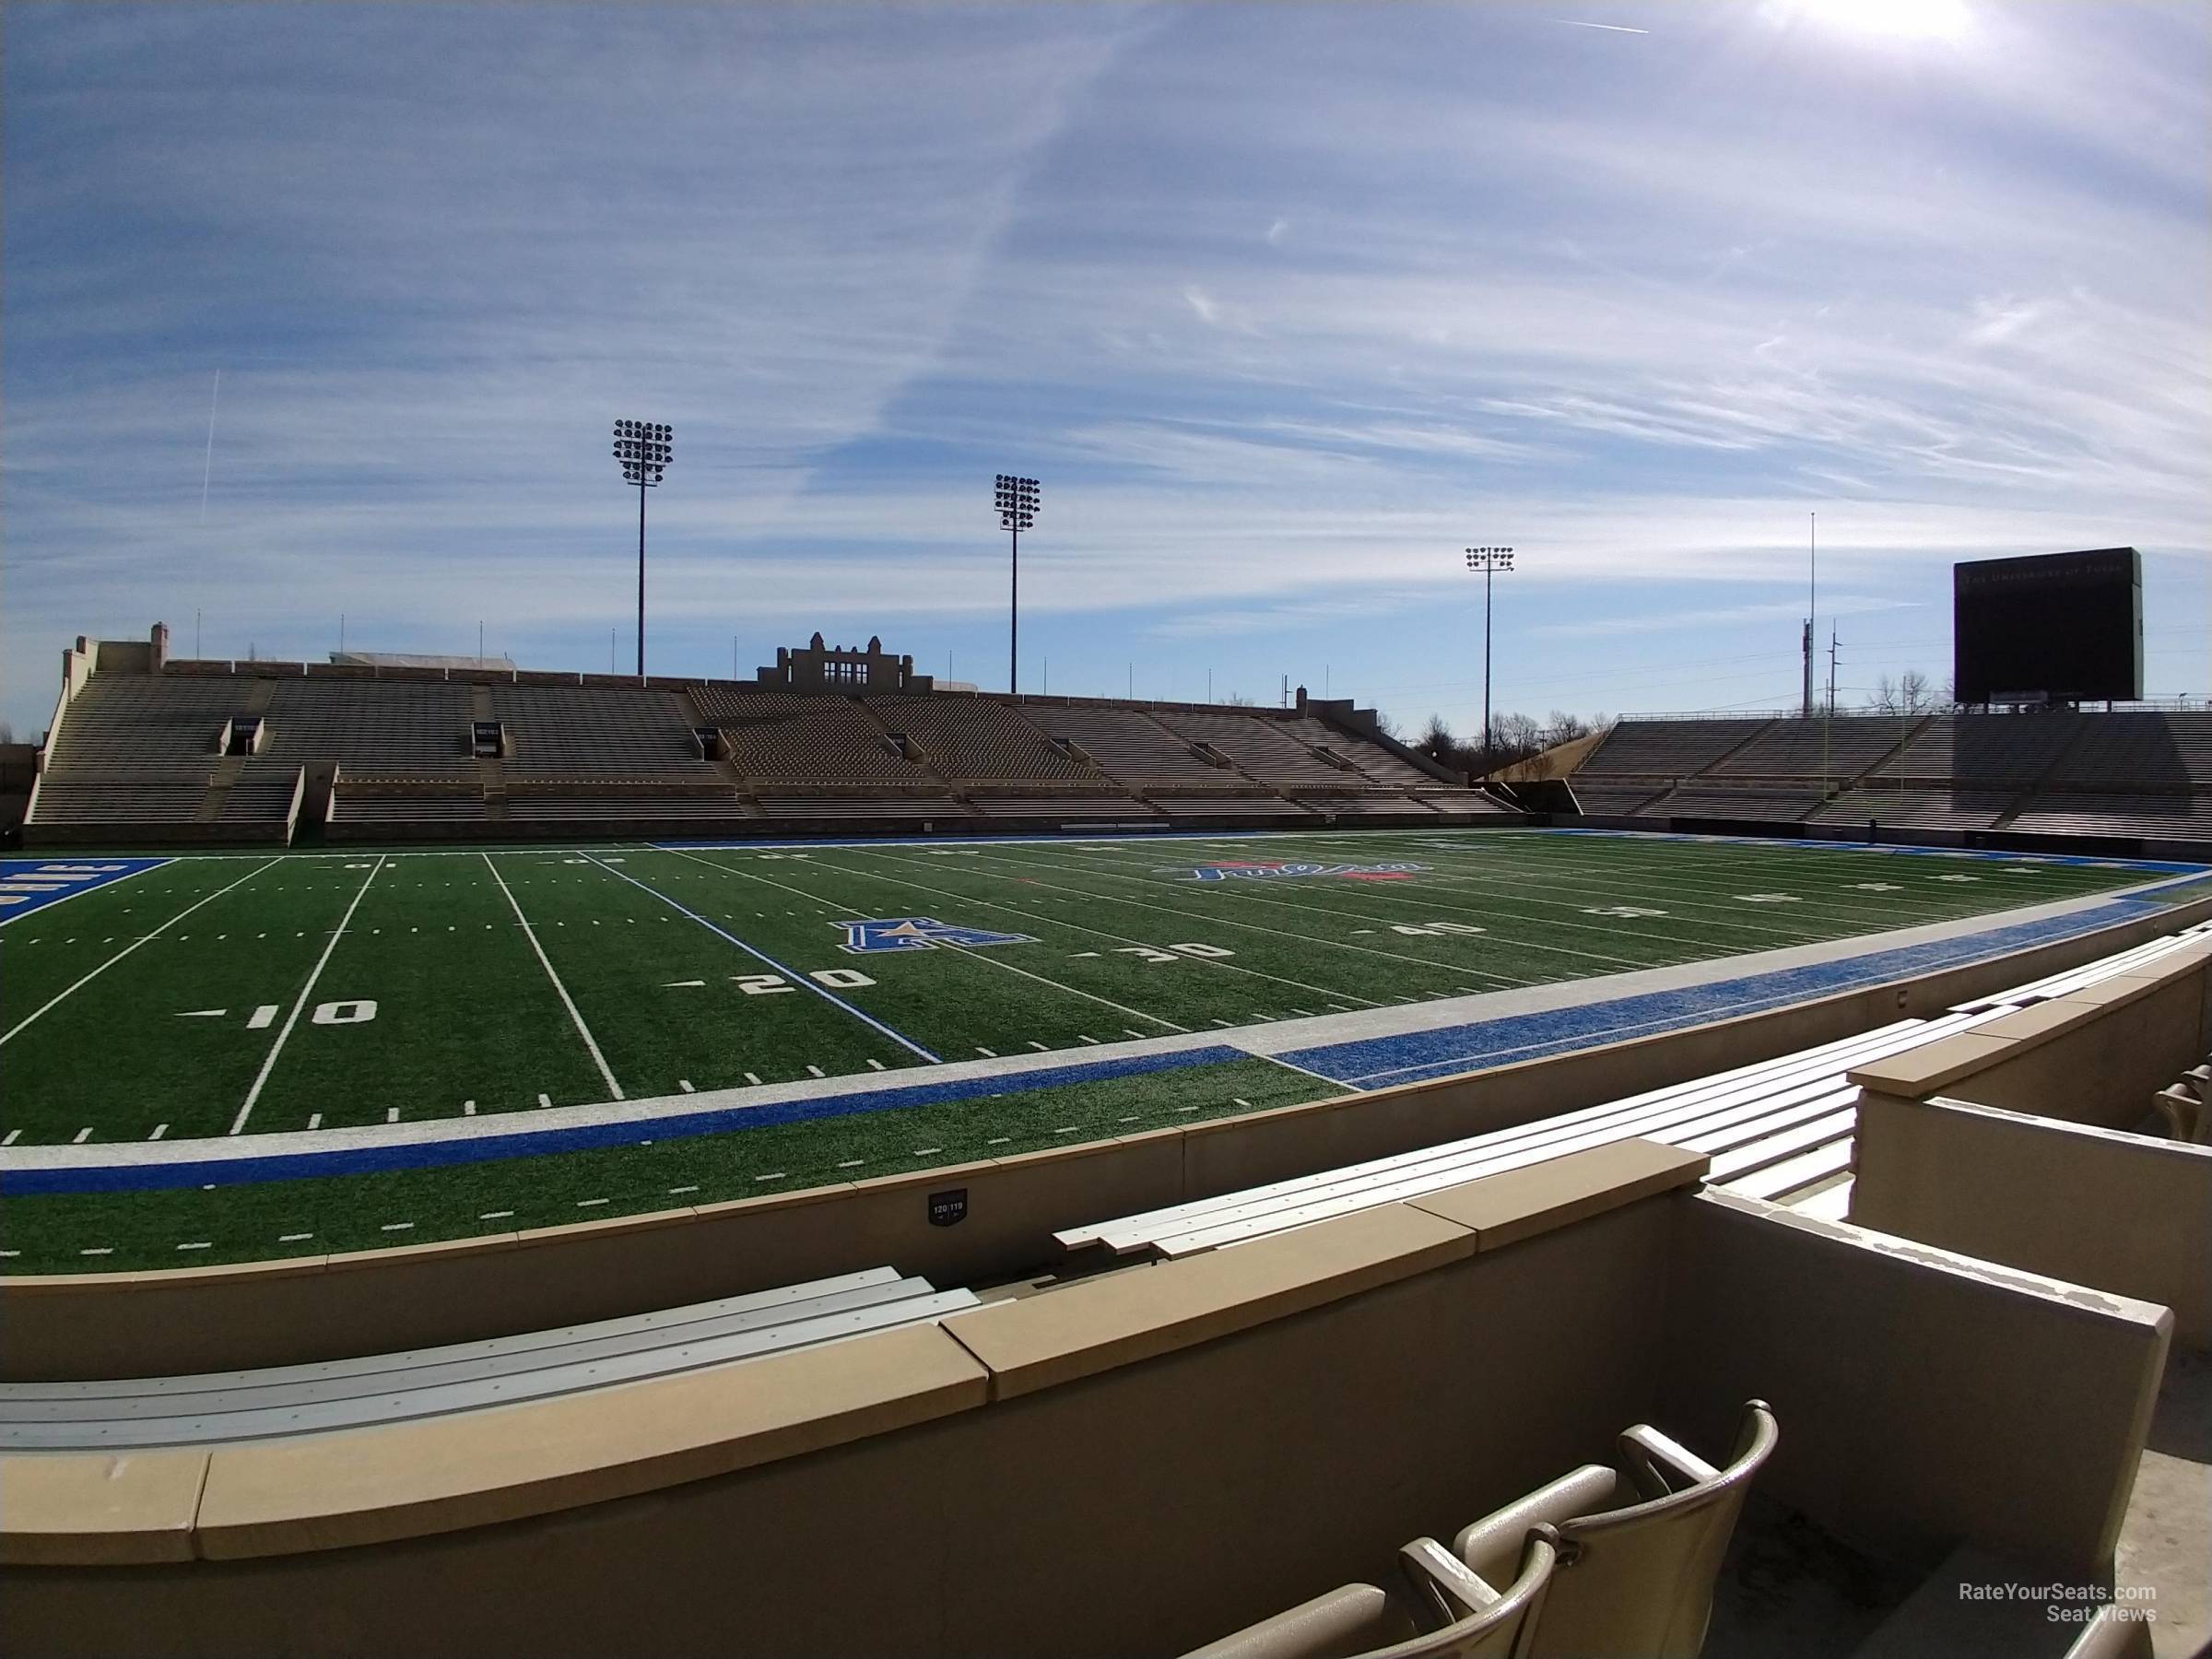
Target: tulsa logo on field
1275 870
920 933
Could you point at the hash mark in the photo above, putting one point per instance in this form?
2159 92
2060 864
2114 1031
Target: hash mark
925 1151
395 1227
685 1084
391 1114
83 1135
545 1100
984 1051
98 1250
675 1191
852 1164
815 1070
495 1215
293 1238
753 1078
468 1109
203 1244
778 1175
1069 1130
875 1064
587 1202
998 1140
159 1130
9 1139
314 1120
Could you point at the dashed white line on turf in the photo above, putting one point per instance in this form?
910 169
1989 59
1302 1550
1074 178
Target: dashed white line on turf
237 1123
567 1002
126 950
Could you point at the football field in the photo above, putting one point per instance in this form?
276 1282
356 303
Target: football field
251 994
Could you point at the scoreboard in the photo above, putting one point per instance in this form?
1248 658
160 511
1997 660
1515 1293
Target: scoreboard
2056 628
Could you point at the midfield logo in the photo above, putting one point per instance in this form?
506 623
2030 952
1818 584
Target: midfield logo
1275 870
920 933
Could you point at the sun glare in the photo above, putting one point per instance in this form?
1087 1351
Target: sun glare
1892 20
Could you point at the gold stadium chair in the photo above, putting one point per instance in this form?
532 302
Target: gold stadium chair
1471 1620
1639 1552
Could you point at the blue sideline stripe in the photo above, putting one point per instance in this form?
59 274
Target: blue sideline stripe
1418 1057
801 980
28 885
487 1149
1807 844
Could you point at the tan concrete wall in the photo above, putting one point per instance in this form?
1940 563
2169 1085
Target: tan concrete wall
87 1326
1925 1397
1136 1462
2121 1212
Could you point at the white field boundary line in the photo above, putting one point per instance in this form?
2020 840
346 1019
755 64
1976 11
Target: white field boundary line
1506 981
1427 898
963 950
268 1065
1258 1039
1523 884
1780 859
1186 916
800 979
147 868
126 950
1776 863
567 1002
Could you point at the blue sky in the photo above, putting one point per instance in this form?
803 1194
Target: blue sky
1285 306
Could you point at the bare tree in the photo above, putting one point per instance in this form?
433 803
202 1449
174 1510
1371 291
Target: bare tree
1437 742
1564 728
1237 700
1911 693
8 731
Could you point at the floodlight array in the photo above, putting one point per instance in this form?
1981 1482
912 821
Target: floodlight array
1489 559
644 450
1016 500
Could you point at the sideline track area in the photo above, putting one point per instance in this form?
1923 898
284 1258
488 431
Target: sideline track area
890 1112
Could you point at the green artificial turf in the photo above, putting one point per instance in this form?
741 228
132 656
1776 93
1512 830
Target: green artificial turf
253 994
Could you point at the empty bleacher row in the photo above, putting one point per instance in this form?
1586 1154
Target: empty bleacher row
137 753
278 1403
2139 774
1778 1130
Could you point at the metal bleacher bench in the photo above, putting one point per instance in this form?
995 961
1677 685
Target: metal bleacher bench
389 1388
1774 1129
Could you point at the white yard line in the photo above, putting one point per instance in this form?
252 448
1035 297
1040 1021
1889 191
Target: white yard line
567 1001
126 950
237 1123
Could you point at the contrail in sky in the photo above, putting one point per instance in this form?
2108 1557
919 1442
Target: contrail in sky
208 470
1609 28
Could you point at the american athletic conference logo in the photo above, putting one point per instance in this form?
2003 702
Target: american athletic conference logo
1277 870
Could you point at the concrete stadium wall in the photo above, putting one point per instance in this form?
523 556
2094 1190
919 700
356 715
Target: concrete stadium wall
309 1308
1117 1466
1926 1397
2013 1142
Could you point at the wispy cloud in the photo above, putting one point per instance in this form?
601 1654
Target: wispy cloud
1279 342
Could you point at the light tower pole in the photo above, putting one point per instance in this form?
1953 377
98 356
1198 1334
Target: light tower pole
644 451
1489 561
1016 503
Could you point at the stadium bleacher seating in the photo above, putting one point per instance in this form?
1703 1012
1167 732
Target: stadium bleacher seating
788 737
1260 747
403 748
2138 774
135 750
578 732
392 1388
1667 748
969 739
1131 745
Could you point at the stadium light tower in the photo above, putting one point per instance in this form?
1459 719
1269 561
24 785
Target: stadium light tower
1489 561
1016 503
644 451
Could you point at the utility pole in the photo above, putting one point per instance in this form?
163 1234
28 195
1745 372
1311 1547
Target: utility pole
1812 605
